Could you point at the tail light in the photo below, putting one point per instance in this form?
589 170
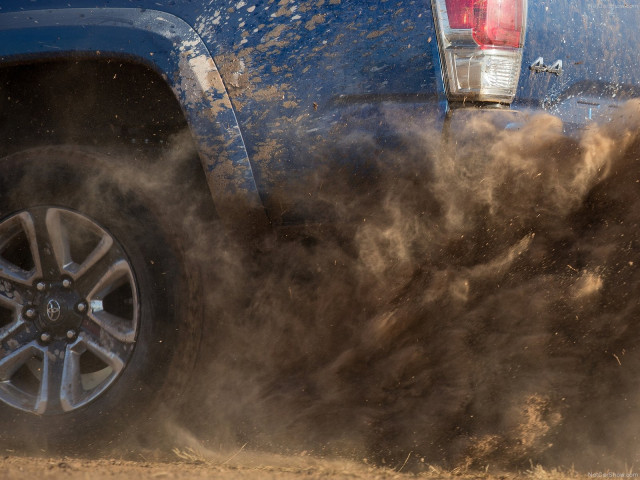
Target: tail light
481 47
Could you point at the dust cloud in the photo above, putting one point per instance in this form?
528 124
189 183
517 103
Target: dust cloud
470 304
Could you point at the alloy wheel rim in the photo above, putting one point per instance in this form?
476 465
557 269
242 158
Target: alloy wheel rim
69 310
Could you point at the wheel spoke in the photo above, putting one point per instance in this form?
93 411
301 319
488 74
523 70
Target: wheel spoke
16 335
23 223
123 329
55 362
9 330
107 349
9 365
11 295
118 327
11 362
61 242
10 272
90 282
73 392
44 245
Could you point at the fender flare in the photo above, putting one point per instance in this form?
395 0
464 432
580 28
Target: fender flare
171 47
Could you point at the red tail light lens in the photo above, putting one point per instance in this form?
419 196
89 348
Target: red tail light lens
495 23
460 13
498 23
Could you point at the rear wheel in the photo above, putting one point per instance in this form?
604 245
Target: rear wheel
98 321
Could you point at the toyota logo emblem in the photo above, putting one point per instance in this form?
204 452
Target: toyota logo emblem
53 310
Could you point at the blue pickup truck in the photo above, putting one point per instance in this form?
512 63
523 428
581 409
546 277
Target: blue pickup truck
120 119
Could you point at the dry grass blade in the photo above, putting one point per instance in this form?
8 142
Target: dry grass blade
189 455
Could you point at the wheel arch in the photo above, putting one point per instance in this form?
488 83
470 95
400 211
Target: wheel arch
168 46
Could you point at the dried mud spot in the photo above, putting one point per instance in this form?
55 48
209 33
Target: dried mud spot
233 70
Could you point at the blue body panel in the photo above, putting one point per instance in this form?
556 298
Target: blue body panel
598 45
265 85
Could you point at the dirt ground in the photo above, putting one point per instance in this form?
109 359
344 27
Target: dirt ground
241 464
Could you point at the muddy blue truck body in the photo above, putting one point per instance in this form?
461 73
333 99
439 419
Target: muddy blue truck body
262 84
271 94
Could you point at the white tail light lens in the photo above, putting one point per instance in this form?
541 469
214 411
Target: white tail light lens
481 47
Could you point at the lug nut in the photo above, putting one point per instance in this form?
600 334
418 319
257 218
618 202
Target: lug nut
82 306
30 312
45 337
71 334
66 283
41 286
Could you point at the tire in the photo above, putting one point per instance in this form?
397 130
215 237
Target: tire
99 314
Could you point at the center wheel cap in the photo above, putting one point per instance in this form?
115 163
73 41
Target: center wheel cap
53 310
